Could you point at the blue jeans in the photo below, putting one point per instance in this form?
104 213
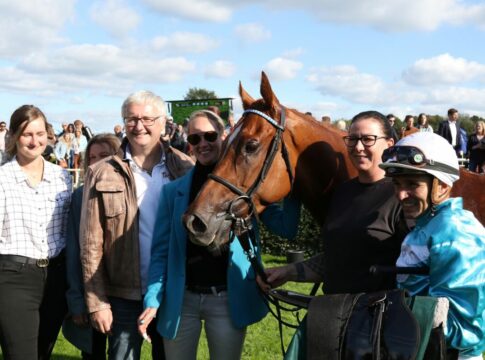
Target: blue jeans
224 340
125 342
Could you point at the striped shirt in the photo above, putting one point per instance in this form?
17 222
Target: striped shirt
33 219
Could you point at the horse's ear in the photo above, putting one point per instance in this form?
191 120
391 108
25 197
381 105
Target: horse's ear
247 100
267 93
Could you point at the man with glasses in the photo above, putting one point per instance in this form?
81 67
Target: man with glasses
447 239
118 215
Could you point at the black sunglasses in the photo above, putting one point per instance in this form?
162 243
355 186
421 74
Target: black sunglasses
209 136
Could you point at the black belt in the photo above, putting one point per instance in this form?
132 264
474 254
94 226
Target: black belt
31 261
207 289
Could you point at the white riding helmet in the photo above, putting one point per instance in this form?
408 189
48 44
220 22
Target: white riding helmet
422 152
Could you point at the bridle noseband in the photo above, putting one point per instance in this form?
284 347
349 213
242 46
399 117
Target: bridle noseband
242 224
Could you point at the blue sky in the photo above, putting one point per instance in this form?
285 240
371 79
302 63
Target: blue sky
80 59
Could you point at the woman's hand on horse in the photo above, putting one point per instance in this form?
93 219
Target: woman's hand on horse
144 320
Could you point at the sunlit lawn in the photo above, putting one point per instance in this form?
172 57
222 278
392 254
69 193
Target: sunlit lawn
262 340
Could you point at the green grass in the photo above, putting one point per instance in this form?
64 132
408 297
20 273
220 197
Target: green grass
262 339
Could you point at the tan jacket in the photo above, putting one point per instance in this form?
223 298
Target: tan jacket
110 253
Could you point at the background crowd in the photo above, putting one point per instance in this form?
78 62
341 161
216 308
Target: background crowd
67 147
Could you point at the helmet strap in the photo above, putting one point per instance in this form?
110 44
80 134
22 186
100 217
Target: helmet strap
439 192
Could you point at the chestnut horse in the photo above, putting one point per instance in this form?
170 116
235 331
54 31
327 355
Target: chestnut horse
273 150
471 187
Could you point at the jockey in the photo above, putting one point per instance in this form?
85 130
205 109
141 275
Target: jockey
446 238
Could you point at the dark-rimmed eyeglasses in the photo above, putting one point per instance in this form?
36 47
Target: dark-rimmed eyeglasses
366 140
209 136
146 120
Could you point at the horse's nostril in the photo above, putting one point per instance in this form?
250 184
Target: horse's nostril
198 226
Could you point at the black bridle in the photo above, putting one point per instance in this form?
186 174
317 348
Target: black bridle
240 224
242 227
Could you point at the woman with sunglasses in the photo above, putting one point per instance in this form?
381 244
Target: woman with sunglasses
364 225
190 283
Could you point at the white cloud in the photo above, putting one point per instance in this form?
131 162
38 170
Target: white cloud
443 69
115 16
220 69
200 10
393 16
31 25
100 68
282 69
184 42
345 81
252 33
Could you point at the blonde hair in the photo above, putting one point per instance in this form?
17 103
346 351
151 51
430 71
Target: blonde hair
215 119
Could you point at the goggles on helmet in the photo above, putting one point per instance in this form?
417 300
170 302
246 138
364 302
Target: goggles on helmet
414 157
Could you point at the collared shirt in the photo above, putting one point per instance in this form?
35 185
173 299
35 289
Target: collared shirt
148 188
33 219
453 131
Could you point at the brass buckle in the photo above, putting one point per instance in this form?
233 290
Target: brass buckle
42 263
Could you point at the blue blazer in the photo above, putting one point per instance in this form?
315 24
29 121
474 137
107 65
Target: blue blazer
166 279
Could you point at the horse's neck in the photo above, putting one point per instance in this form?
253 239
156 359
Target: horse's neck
321 162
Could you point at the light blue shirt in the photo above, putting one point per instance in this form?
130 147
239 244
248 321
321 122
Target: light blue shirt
451 242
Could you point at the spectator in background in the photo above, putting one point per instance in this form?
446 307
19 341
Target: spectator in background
49 154
118 130
326 120
463 143
392 121
423 124
64 129
214 109
79 144
476 148
230 123
409 128
341 125
63 151
34 208
70 130
3 137
99 147
169 129
450 130
120 201
179 138
86 131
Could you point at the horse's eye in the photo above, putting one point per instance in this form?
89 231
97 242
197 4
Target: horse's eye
251 146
